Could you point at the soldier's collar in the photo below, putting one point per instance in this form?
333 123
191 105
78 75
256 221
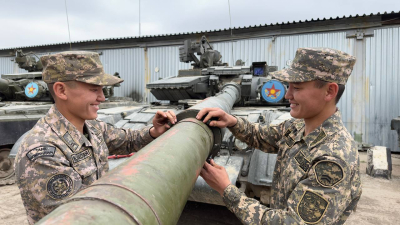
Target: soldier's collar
329 127
93 130
65 129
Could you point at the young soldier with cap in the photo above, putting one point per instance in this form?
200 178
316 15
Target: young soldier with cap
67 149
316 177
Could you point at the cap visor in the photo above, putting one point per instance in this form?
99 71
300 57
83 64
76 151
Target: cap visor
103 80
292 75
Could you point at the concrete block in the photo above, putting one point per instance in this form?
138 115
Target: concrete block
379 162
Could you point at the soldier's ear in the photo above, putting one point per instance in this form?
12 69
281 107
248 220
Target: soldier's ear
331 92
60 90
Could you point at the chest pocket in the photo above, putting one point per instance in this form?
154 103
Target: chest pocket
83 163
100 150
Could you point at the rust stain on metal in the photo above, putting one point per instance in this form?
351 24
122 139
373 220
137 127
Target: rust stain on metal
366 89
270 47
130 169
197 175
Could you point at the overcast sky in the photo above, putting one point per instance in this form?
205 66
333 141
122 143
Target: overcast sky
38 22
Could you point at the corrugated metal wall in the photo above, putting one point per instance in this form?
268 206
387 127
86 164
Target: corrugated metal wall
249 50
129 63
382 64
369 103
163 62
6 65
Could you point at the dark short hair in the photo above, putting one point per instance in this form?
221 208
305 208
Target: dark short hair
322 83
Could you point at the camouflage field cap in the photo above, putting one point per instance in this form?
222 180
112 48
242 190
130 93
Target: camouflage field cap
318 64
76 65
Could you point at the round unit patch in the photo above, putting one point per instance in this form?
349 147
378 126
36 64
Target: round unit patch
273 91
60 186
328 173
31 90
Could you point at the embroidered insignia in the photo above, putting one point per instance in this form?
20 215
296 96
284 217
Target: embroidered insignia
59 186
70 142
289 142
41 151
302 161
312 207
287 133
320 136
273 91
31 90
328 173
80 156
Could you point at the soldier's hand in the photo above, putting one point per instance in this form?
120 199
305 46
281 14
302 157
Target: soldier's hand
160 122
215 176
223 118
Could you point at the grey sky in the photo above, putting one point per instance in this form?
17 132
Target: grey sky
28 22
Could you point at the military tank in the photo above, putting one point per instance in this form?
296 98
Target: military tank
261 101
25 98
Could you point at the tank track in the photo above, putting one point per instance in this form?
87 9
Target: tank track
8 181
7 173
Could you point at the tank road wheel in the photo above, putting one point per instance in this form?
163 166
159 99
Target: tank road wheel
7 174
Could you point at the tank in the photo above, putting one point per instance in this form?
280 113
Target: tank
25 98
261 100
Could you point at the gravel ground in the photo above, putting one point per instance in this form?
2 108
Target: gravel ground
379 203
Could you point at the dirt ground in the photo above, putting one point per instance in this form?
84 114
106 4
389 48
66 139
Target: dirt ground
379 203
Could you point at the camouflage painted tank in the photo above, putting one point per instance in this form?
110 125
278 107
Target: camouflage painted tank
262 101
24 99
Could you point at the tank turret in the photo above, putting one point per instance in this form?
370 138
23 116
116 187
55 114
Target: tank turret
258 98
209 75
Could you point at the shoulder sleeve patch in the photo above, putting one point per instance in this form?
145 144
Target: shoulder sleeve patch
59 186
312 207
41 151
328 173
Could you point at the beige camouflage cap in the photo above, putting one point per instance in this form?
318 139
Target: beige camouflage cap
318 64
76 65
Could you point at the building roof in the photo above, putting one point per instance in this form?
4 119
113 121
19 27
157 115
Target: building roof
243 29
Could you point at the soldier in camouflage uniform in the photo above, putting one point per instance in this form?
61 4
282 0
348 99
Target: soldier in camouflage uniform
67 149
316 178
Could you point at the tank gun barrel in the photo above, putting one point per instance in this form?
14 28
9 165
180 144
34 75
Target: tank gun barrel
154 185
3 85
5 91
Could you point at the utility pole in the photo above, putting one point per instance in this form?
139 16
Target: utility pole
139 18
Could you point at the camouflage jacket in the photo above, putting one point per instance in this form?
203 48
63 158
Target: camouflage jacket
55 160
316 177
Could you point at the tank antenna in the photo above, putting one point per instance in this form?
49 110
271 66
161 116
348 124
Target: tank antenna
230 26
139 18
69 34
